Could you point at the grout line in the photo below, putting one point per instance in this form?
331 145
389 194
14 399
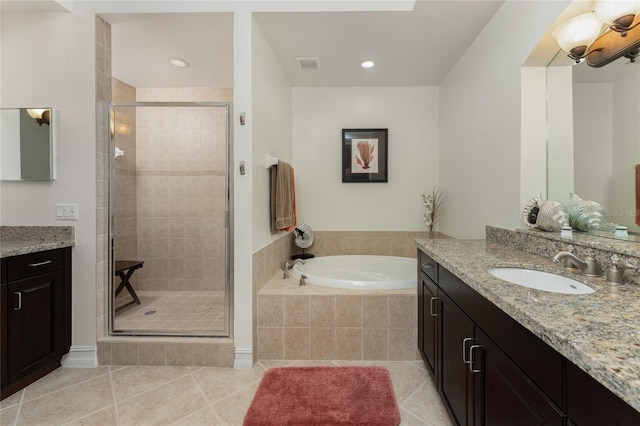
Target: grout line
22 399
15 422
113 394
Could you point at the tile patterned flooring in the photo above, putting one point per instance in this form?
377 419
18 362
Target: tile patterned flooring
190 311
137 395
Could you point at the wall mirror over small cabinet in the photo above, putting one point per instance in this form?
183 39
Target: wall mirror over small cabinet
27 144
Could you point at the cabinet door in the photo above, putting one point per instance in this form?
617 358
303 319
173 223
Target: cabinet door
456 379
34 321
428 324
503 394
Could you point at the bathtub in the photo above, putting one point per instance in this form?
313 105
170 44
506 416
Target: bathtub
359 272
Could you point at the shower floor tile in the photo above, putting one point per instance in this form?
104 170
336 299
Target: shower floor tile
190 311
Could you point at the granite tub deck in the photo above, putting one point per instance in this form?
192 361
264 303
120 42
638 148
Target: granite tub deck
598 332
17 240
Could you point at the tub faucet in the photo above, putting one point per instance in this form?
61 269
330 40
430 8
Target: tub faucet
570 261
288 265
303 280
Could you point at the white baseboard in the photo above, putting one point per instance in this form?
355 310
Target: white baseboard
81 357
243 359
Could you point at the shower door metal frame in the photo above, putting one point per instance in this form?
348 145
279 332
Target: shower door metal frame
228 221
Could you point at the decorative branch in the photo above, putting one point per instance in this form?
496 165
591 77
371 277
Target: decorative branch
432 203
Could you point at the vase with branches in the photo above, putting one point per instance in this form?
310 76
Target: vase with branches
432 203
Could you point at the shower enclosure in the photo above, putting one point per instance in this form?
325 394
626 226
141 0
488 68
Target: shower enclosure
170 231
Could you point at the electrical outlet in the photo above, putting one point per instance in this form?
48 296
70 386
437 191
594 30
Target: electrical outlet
67 211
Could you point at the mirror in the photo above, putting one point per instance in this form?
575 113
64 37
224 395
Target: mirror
26 144
602 146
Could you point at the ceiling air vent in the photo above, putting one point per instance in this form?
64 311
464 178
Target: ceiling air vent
308 63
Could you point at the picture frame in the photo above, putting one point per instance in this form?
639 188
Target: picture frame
364 155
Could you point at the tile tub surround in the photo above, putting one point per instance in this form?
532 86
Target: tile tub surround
17 240
598 332
319 323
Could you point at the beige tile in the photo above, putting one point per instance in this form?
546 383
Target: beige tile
124 353
8 415
206 354
270 311
402 311
204 416
375 311
12 399
270 343
322 343
129 382
402 344
61 378
68 404
106 416
179 354
296 343
218 383
296 311
233 408
349 343
162 405
322 311
226 356
151 354
426 405
375 343
348 311
406 378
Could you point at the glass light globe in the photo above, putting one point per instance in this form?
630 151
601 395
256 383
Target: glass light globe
580 30
610 10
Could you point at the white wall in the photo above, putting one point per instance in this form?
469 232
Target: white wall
626 151
593 141
480 131
49 59
327 204
272 128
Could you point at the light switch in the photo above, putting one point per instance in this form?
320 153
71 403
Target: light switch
67 211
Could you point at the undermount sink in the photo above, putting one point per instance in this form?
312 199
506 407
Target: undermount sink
540 280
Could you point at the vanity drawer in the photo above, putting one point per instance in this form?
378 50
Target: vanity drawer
28 265
428 266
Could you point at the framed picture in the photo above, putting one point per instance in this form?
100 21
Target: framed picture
364 155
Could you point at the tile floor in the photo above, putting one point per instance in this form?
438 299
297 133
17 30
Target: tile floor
169 311
127 395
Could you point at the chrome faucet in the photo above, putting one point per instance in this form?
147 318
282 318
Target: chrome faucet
288 265
570 261
303 279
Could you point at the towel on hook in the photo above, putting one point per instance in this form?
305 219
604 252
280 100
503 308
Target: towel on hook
283 212
637 194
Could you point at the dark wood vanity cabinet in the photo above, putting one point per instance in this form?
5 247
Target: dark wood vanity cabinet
35 317
490 370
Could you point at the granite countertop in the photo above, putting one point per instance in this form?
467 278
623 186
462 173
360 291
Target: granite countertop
599 332
17 240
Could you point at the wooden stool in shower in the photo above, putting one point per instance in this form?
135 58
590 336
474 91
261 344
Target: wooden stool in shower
125 269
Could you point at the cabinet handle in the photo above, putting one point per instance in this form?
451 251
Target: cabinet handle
426 265
471 359
464 349
19 300
46 262
433 299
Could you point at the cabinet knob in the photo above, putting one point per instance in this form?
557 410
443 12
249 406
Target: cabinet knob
19 300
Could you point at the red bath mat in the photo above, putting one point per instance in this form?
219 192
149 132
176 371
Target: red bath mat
324 396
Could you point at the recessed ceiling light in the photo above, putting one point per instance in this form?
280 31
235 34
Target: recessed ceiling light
177 62
367 63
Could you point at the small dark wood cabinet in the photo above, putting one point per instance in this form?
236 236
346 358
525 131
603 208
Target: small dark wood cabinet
35 316
490 370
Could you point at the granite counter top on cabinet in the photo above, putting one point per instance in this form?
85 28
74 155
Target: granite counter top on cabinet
598 332
17 240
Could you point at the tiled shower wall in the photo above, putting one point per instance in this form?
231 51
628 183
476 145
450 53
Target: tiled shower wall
180 172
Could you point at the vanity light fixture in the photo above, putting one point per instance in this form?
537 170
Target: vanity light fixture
177 62
583 36
41 115
367 63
